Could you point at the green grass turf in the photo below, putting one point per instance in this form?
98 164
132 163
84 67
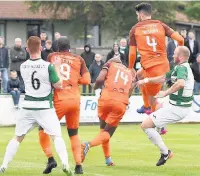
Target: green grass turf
132 152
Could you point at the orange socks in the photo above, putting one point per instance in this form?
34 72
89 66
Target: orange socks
45 143
76 148
145 97
100 139
106 146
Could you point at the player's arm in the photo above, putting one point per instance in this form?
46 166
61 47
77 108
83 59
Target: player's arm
133 82
102 76
132 49
85 74
182 75
173 35
53 76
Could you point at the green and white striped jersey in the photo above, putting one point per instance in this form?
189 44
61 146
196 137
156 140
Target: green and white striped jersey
38 75
184 96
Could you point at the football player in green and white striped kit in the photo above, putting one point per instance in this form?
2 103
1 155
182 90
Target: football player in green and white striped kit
180 100
37 109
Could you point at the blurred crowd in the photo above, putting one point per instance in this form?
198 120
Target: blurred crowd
10 60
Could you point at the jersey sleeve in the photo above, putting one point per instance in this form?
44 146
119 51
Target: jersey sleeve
52 74
168 31
182 72
132 40
106 65
84 69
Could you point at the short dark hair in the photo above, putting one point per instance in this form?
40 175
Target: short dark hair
145 7
63 43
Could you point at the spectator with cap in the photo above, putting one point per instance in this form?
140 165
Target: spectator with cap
196 72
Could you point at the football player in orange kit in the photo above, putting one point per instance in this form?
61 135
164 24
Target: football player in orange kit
118 83
73 71
148 36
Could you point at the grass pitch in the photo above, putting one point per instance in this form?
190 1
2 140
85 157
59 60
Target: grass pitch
132 152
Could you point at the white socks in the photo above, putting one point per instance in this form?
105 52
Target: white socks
61 150
11 150
156 139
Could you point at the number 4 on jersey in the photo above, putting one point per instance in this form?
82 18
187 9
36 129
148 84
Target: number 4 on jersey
122 76
152 44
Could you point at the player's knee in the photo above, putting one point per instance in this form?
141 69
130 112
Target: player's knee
110 130
72 132
147 123
20 138
40 128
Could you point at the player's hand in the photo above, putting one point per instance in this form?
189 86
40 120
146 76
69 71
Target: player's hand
140 83
161 94
57 62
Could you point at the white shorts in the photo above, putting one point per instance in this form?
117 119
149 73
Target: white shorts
169 114
29 119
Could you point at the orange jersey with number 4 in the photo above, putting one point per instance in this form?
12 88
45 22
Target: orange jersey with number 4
149 37
71 69
118 82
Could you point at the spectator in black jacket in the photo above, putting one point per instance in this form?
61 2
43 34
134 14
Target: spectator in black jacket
115 52
171 46
43 37
196 71
88 56
55 42
47 50
17 57
95 68
14 88
193 46
4 64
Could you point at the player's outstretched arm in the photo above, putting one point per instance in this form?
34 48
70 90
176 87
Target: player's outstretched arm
157 79
54 79
176 36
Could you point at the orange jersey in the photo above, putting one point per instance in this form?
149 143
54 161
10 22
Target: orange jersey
118 82
71 69
149 37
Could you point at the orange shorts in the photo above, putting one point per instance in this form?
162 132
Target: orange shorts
70 109
158 70
111 111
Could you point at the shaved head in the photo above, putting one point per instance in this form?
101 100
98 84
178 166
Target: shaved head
181 54
184 52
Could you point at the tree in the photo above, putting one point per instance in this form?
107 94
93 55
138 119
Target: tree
118 16
192 10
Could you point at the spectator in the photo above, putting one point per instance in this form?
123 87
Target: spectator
4 63
55 43
124 49
183 32
14 88
88 56
43 37
170 51
196 72
95 69
17 57
47 50
193 46
115 53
